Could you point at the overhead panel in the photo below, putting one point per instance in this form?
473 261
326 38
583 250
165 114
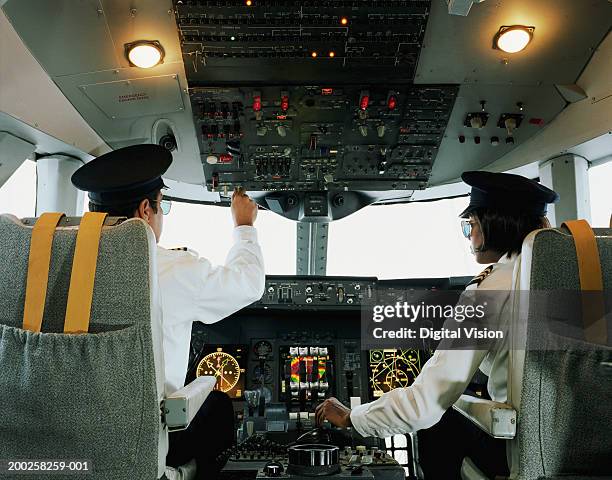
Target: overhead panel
311 97
301 41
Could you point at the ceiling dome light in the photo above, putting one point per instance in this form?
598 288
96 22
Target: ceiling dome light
513 39
144 54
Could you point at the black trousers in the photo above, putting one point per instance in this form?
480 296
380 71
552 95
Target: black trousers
443 447
209 434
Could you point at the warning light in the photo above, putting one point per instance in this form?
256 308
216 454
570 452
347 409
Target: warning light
257 103
285 103
313 54
536 121
364 100
327 91
332 54
391 102
344 21
249 3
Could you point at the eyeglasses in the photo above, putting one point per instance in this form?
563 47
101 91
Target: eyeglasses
166 206
466 228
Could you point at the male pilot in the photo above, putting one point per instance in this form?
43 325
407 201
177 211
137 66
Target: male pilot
503 210
127 182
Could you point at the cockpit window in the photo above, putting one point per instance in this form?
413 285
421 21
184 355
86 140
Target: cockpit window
208 230
600 179
18 194
402 241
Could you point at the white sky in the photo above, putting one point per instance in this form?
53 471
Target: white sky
395 241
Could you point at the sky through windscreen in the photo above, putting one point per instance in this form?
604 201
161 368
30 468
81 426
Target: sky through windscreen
395 241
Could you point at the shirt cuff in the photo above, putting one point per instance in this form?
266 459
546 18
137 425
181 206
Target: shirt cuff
359 421
245 233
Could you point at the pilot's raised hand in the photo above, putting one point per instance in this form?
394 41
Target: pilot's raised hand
333 411
244 210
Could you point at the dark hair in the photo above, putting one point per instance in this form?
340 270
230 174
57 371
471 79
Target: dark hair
126 210
504 232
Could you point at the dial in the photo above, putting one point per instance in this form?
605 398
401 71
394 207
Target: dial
223 366
266 372
263 348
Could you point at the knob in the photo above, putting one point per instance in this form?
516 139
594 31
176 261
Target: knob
308 299
273 469
270 289
349 301
308 289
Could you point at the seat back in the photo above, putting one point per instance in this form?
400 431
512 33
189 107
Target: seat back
93 397
561 385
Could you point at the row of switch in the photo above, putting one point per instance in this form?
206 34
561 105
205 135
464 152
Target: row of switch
494 140
221 131
273 166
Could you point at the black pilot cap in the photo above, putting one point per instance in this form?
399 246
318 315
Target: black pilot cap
123 176
507 193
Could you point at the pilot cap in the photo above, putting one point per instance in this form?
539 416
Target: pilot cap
507 193
123 176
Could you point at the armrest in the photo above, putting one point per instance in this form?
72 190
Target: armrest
495 418
180 407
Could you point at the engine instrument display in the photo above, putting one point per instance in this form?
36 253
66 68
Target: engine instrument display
390 368
226 364
307 371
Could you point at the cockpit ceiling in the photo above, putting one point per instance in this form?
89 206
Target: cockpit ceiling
369 96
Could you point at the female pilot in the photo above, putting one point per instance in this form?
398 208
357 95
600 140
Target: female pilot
503 210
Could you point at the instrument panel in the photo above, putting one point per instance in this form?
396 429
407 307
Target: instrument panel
320 137
300 41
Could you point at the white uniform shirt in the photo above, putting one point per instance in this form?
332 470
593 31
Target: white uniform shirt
193 290
442 380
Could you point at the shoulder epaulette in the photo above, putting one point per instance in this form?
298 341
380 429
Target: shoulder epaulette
179 249
481 276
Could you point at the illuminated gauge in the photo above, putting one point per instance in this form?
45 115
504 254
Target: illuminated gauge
223 366
266 372
376 355
263 348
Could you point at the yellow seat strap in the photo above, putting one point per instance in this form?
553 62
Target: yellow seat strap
591 281
83 274
39 263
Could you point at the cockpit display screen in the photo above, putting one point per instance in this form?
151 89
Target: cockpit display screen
227 364
392 368
306 369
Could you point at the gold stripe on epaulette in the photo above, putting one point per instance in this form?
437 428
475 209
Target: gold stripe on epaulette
481 276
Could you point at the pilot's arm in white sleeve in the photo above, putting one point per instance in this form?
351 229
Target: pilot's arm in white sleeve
445 376
199 291
194 290
421 405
